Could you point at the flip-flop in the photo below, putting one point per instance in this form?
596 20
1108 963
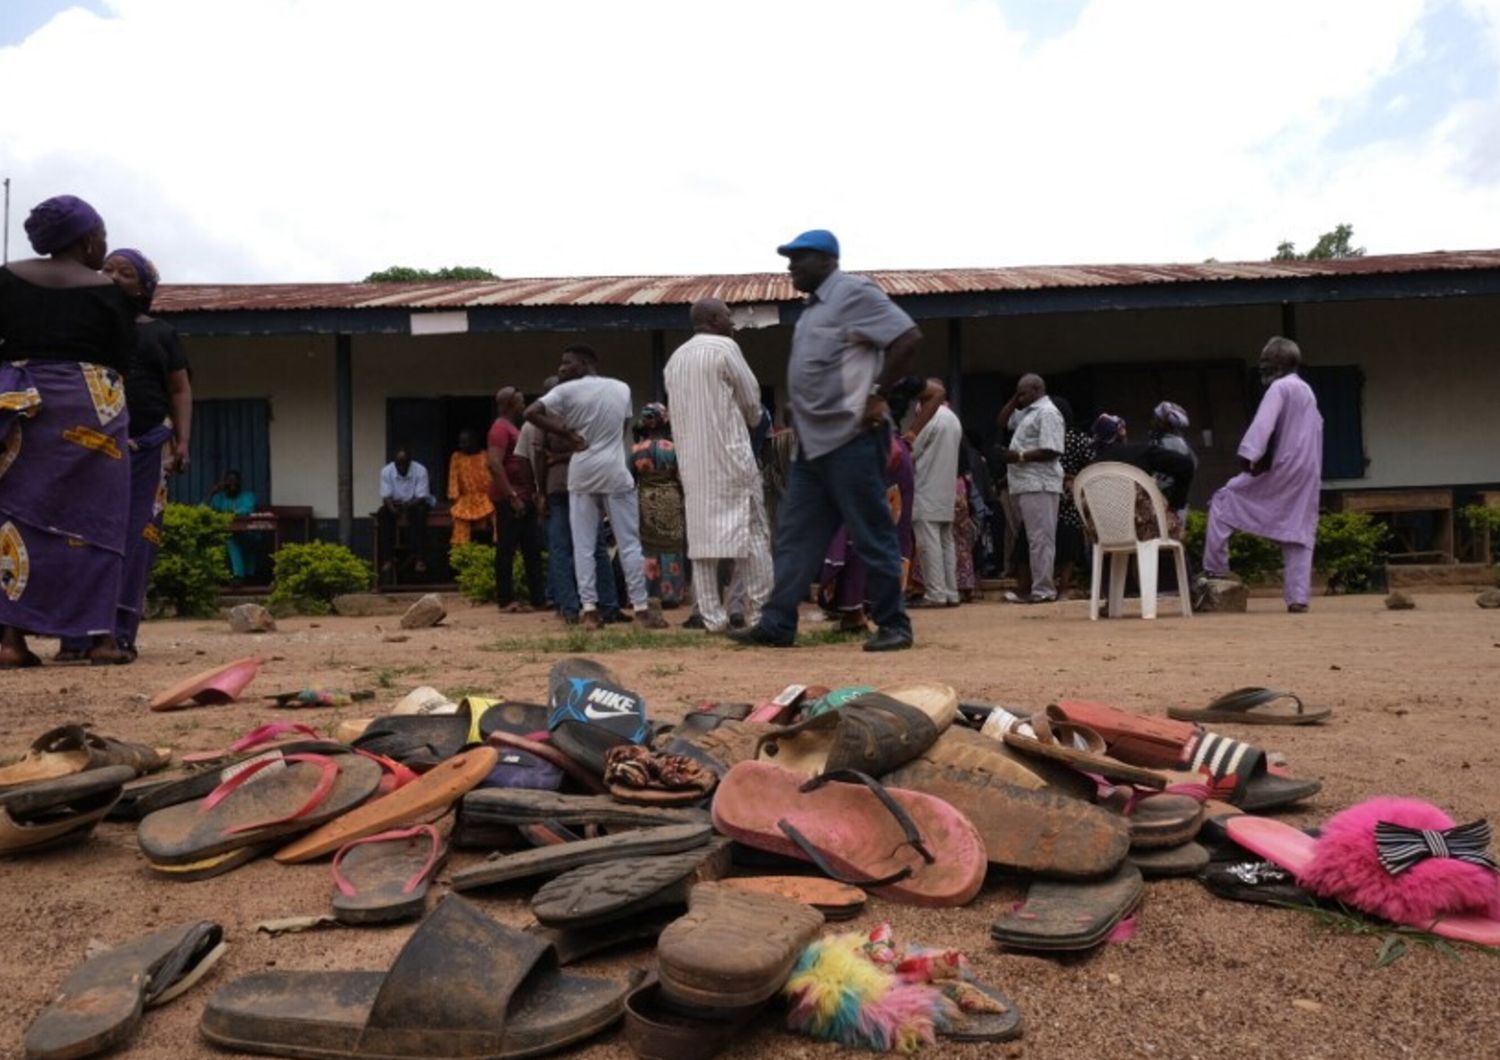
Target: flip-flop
541 746
1254 879
656 778
1039 832
209 867
306 791
592 712
102 1000
616 890
516 719
73 748
59 812
179 789
732 949
513 807
779 708
463 985
836 901
872 734
574 944
1238 773
1060 916
655 1029
562 857
1244 706
1159 818
1185 859
902 845
420 741
1361 887
219 685
260 738
964 748
427 796
1003 1026
1052 736
384 877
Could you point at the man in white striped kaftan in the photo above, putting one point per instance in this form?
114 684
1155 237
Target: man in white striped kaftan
715 401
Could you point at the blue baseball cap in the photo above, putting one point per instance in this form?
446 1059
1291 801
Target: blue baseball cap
819 239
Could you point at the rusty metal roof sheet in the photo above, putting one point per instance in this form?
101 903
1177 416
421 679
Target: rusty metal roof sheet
747 288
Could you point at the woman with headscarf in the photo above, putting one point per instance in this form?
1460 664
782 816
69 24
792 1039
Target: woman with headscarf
1169 423
1112 443
68 335
663 518
159 407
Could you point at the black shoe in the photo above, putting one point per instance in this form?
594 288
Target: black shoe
736 621
618 617
695 621
756 637
889 639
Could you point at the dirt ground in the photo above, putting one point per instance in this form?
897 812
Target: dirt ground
1415 713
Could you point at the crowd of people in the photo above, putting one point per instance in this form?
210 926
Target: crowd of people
873 492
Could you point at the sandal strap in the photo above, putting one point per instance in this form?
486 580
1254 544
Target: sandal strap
1243 700
819 858
328 776
1051 726
347 889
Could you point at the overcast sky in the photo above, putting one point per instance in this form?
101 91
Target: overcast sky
298 140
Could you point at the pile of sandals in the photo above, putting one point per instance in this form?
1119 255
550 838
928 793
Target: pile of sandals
733 841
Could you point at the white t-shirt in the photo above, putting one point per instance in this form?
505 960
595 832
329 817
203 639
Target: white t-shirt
597 408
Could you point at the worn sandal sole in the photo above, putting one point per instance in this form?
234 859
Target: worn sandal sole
1070 916
614 890
1187 859
552 860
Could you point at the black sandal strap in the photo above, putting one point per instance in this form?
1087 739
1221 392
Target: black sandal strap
820 860
908 826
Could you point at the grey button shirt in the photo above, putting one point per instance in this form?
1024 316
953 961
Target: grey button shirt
838 349
1037 426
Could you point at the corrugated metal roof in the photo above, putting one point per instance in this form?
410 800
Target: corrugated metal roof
773 287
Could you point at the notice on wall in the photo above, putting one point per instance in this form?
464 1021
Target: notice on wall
448 322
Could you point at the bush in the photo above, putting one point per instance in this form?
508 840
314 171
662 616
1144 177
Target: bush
1253 558
1478 517
473 567
1348 550
192 563
309 576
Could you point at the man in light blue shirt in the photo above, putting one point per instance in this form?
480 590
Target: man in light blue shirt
405 498
850 345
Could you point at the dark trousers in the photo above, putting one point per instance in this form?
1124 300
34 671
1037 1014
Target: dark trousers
519 530
412 516
843 488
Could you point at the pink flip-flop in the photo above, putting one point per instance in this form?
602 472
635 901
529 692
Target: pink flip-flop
385 877
222 684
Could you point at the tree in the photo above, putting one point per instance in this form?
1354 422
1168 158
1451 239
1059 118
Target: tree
1335 244
407 274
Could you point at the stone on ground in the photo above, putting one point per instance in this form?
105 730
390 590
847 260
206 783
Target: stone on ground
251 618
428 611
1221 594
1399 601
1489 598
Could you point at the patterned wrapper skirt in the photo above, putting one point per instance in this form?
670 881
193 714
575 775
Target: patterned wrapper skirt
64 496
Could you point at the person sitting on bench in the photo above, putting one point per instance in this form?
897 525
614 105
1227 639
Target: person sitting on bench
405 500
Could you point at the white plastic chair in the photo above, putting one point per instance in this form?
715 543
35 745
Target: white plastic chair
1105 494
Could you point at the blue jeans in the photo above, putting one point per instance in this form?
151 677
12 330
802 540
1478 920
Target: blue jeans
843 488
560 577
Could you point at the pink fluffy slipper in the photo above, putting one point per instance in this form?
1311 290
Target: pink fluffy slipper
1413 883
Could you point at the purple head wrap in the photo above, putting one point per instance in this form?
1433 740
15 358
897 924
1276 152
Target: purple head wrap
144 269
1108 428
60 222
1171 415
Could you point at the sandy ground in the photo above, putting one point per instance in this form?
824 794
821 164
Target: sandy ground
1415 713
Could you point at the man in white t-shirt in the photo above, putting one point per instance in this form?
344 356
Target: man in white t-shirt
591 411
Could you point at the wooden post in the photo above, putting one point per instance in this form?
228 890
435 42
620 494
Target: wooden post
658 365
955 364
343 395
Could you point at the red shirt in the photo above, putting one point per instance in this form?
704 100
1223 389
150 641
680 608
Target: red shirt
503 436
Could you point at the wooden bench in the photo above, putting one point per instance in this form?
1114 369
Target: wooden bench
439 528
274 520
1438 502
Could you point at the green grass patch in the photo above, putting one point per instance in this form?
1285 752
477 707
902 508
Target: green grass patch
598 642
1395 941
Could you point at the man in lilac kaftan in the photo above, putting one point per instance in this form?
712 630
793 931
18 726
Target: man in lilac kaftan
1276 496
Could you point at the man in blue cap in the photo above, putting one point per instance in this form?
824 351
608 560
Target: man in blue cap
851 344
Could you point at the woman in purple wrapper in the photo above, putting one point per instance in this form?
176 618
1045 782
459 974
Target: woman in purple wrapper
68 333
159 406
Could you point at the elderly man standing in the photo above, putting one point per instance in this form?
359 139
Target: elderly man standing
939 436
715 403
590 412
1276 496
1036 478
851 343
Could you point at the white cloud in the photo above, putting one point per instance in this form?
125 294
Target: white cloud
320 139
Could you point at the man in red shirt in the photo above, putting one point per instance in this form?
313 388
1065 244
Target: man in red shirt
513 489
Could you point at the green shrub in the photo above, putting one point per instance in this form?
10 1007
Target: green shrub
1348 550
1252 558
192 563
1478 517
311 575
473 567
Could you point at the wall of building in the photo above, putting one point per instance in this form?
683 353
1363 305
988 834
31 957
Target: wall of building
1432 373
1432 385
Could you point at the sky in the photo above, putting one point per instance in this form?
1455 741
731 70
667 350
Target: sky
318 140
